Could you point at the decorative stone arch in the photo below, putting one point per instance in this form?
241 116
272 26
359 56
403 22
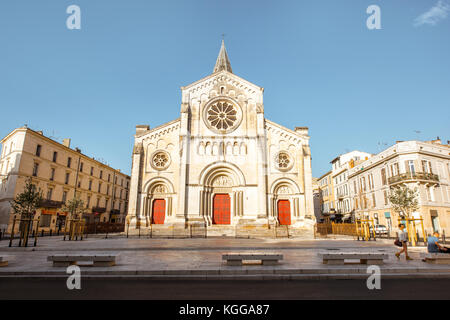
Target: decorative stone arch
221 178
285 189
159 188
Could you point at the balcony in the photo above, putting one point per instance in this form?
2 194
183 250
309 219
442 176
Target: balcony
115 211
51 204
414 177
98 210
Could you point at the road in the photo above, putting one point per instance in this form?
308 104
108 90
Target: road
55 288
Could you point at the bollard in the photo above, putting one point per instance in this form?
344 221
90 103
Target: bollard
35 237
12 231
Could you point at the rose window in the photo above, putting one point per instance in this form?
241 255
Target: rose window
283 161
160 160
222 115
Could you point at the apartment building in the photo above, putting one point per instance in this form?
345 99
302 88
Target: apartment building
421 165
326 195
339 174
59 172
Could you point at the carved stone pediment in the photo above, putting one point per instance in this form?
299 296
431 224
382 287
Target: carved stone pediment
222 181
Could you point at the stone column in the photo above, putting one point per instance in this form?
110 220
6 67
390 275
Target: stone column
184 163
309 199
262 164
136 172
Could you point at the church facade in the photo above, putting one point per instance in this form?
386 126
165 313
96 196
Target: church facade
222 165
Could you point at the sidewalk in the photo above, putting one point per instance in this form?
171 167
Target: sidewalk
201 259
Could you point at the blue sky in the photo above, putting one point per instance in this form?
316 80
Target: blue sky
319 64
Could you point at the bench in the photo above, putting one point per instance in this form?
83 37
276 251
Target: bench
437 258
363 257
3 263
98 260
267 259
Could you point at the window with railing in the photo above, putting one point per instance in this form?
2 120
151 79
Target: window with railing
383 176
35 169
49 194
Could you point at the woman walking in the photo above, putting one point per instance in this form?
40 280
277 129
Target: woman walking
403 239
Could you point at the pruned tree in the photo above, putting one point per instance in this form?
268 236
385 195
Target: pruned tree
26 203
404 200
75 207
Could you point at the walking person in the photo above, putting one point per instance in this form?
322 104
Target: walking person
403 239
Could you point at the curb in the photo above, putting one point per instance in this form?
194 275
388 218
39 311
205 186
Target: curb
256 277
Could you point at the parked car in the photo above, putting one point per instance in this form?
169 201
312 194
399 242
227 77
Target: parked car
380 229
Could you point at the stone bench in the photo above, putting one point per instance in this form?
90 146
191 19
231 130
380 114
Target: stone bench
437 258
235 259
3 263
98 260
363 257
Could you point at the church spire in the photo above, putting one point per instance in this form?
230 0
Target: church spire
222 62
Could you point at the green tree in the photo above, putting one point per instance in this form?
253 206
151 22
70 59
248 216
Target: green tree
26 203
75 207
404 200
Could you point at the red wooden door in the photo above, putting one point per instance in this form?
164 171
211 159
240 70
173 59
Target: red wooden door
221 209
158 211
284 212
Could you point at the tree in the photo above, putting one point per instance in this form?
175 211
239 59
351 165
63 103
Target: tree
404 200
26 203
75 207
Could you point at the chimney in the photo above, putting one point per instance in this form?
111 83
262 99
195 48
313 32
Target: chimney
302 130
78 150
437 141
66 143
141 129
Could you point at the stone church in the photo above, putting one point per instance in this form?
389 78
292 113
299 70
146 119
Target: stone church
222 166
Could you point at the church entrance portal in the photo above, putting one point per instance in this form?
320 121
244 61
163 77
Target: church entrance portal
284 212
221 209
158 211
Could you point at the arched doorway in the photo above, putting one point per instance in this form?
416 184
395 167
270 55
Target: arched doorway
158 211
285 197
221 209
284 212
221 195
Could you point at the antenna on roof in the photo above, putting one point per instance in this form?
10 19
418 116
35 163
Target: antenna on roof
418 134
381 146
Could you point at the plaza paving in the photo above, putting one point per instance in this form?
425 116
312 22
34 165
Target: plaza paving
190 259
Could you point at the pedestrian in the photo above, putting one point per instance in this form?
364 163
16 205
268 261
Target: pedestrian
403 239
434 246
